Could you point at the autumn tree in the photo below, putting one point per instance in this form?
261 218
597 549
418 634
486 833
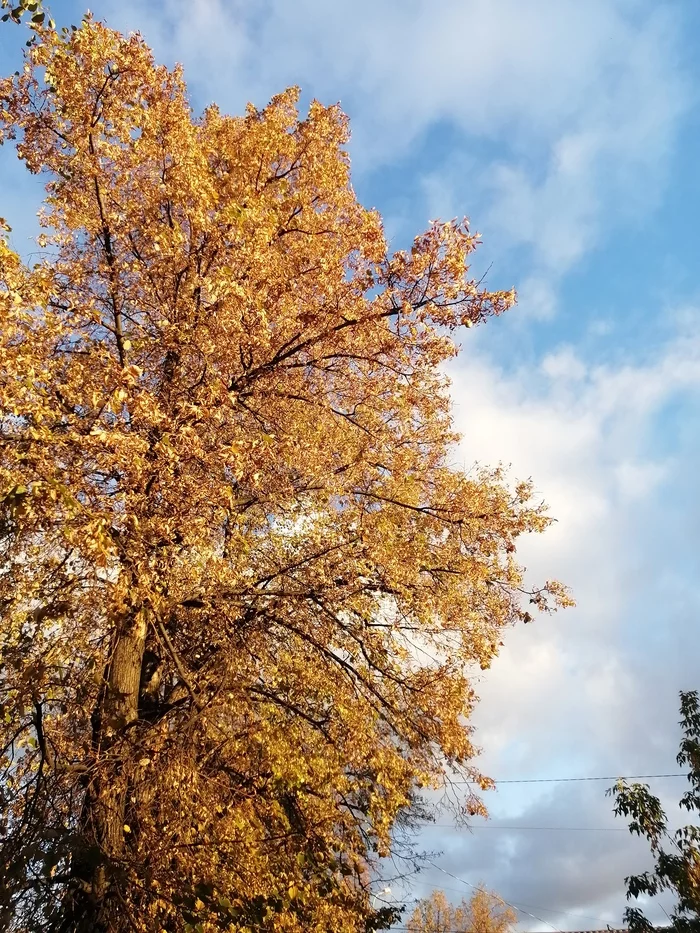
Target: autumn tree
241 582
677 855
484 912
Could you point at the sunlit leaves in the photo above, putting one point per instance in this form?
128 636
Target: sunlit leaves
484 912
243 586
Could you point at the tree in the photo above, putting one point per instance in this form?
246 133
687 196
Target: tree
230 527
677 856
484 912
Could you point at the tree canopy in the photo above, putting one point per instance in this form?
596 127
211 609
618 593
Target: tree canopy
241 581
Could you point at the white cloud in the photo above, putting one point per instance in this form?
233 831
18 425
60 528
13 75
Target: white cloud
580 101
639 480
527 70
564 364
592 690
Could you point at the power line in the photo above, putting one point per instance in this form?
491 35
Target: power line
566 780
607 777
554 780
559 829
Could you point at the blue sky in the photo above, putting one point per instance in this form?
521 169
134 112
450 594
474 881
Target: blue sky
570 134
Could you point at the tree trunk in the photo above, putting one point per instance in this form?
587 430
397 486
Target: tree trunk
105 800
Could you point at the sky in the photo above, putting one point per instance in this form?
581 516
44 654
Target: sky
569 133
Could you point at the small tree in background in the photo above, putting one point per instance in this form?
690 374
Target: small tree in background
485 912
677 868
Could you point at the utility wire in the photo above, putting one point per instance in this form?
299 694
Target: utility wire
566 780
557 780
558 829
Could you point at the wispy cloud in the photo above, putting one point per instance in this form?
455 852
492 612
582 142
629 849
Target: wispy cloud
587 161
592 691
581 100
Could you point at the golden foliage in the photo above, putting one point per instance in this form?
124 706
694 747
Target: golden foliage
484 912
240 579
